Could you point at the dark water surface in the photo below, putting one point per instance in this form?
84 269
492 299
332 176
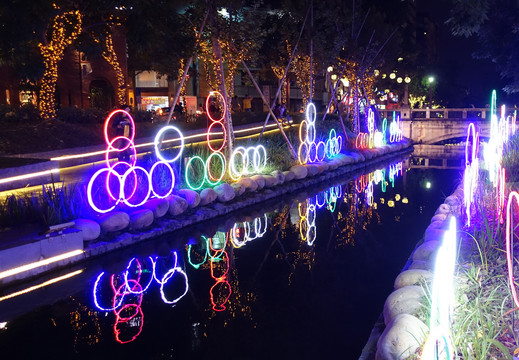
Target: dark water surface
301 277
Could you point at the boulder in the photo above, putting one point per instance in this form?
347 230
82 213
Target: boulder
239 189
452 201
158 206
114 221
225 192
312 169
141 219
412 277
289 175
207 196
191 196
434 234
422 265
177 205
259 180
279 176
300 171
270 181
438 217
426 251
402 338
443 209
90 229
405 300
249 184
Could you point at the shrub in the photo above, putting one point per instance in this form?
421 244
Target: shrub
74 115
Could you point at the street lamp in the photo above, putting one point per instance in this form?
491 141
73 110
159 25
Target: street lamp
430 81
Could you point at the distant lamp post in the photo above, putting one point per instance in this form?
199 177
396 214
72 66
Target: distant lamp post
430 82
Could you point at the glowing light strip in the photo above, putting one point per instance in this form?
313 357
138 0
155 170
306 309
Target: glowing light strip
39 286
509 239
40 263
28 176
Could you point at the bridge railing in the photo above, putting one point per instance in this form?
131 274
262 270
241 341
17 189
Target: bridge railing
438 114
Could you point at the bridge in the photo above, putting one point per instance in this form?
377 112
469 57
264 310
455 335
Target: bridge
431 126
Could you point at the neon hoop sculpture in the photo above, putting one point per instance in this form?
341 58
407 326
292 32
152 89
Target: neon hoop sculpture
121 180
307 140
206 175
512 198
248 164
362 141
259 225
395 133
470 178
333 145
442 298
493 151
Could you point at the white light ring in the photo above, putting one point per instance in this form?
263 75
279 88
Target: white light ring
302 160
257 165
233 172
314 147
257 226
235 242
166 278
251 159
89 191
107 121
175 265
123 181
309 238
319 204
310 214
130 145
338 145
172 178
157 143
96 300
310 134
311 105
126 273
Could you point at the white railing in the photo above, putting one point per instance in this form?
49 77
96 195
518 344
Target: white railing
438 114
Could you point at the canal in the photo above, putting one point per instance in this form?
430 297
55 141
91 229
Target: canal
303 276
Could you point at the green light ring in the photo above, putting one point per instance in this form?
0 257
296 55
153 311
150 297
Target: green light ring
196 266
196 157
208 175
221 252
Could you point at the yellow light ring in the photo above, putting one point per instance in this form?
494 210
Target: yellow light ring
305 124
301 208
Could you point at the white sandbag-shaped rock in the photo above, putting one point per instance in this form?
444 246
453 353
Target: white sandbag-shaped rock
114 221
207 196
452 201
312 169
443 209
403 336
259 180
177 205
141 219
191 196
225 192
158 206
422 264
239 189
270 181
249 184
412 277
289 175
405 300
434 234
426 250
90 229
279 176
300 171
439 217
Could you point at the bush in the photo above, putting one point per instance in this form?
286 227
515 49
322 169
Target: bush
511 159
25 113
142 116
73 115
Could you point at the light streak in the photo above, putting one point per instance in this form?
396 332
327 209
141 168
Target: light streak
29 176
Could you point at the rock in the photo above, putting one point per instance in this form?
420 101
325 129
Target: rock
300 171
289 175
402 338
452 201
207 196
279 176
443 209
412 277
225 192
270 181
426 250
259 180
405 300
90 229
191 196
177 204
141 219
114 221
438 217
312 169
158 206
249 184
239 189
434 234
422 265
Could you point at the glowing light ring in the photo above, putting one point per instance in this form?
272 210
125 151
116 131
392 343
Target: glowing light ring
111 148
509 246
121 291
187 172
211 94
235 241
395 131
313 147
323 196
369 194
163 277
233 171
310 210
212 180
126 273
362 141
166 278
165 163
371 121
311 105
123 180
303 160
310 139
196 266
96 300
471 134
117 332
224 140
220 307
107 121
256 160
305 124
216 257
89 190
157 143
120 177
322 145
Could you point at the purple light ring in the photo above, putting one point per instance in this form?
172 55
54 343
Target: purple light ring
120 179
96 300
89 191
165 280
130 290
172 178
123 181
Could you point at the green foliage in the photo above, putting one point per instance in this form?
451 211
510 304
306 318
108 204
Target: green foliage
73 115
25 113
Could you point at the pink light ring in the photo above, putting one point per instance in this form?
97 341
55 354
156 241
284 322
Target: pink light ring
509 238
308 114
212 93
117 332
220 307
126 274
113 149
158 139
233 172
89 191
107 121
122 291
224 132
123 181
166 164
166 278
96 300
